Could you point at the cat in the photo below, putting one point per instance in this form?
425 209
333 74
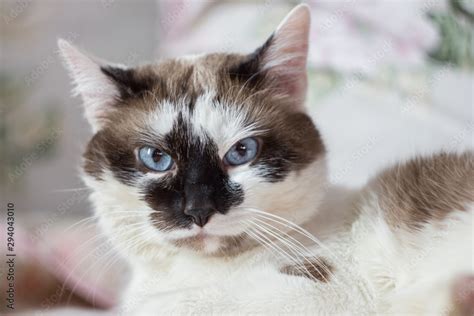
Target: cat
207 172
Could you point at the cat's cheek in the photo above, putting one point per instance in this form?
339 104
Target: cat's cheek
257 191
241 174
292 198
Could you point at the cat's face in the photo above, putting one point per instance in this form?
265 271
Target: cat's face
186 152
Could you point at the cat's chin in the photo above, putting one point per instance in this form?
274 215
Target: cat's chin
207 244
201 243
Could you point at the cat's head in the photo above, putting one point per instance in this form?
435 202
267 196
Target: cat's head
186 152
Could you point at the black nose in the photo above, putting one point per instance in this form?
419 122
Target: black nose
200 216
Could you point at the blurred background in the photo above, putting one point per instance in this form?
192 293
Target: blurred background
388 79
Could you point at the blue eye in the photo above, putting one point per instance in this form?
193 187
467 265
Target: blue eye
155 159
242 152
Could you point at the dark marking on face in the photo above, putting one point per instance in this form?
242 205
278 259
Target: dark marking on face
106 151
312 268
131 82
249 71
200 181
113 149
94 161
290 147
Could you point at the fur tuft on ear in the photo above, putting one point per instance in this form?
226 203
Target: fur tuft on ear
286 55
97 90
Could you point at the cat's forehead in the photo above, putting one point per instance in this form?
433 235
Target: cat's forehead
206 118
193 75
203 93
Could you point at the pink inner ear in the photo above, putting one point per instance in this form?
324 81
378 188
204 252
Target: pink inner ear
288 66
287 55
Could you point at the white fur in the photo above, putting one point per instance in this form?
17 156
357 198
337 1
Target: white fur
225 124
161 120
412 272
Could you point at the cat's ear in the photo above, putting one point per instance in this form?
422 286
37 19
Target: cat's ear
287 52
98 90
282 59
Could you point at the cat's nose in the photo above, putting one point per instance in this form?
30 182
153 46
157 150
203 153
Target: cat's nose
200 216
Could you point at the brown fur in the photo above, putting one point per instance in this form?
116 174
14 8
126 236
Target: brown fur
312 268
426 189
229 245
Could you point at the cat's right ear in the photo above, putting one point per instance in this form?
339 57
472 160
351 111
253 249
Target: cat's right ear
98 90
280 63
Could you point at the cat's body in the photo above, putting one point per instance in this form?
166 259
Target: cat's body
376 266
204 169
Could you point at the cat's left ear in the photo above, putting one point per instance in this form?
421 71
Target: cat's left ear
282 59
100 84
98 92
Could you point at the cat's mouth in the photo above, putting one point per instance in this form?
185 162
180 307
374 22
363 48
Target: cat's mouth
221 234
219 226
